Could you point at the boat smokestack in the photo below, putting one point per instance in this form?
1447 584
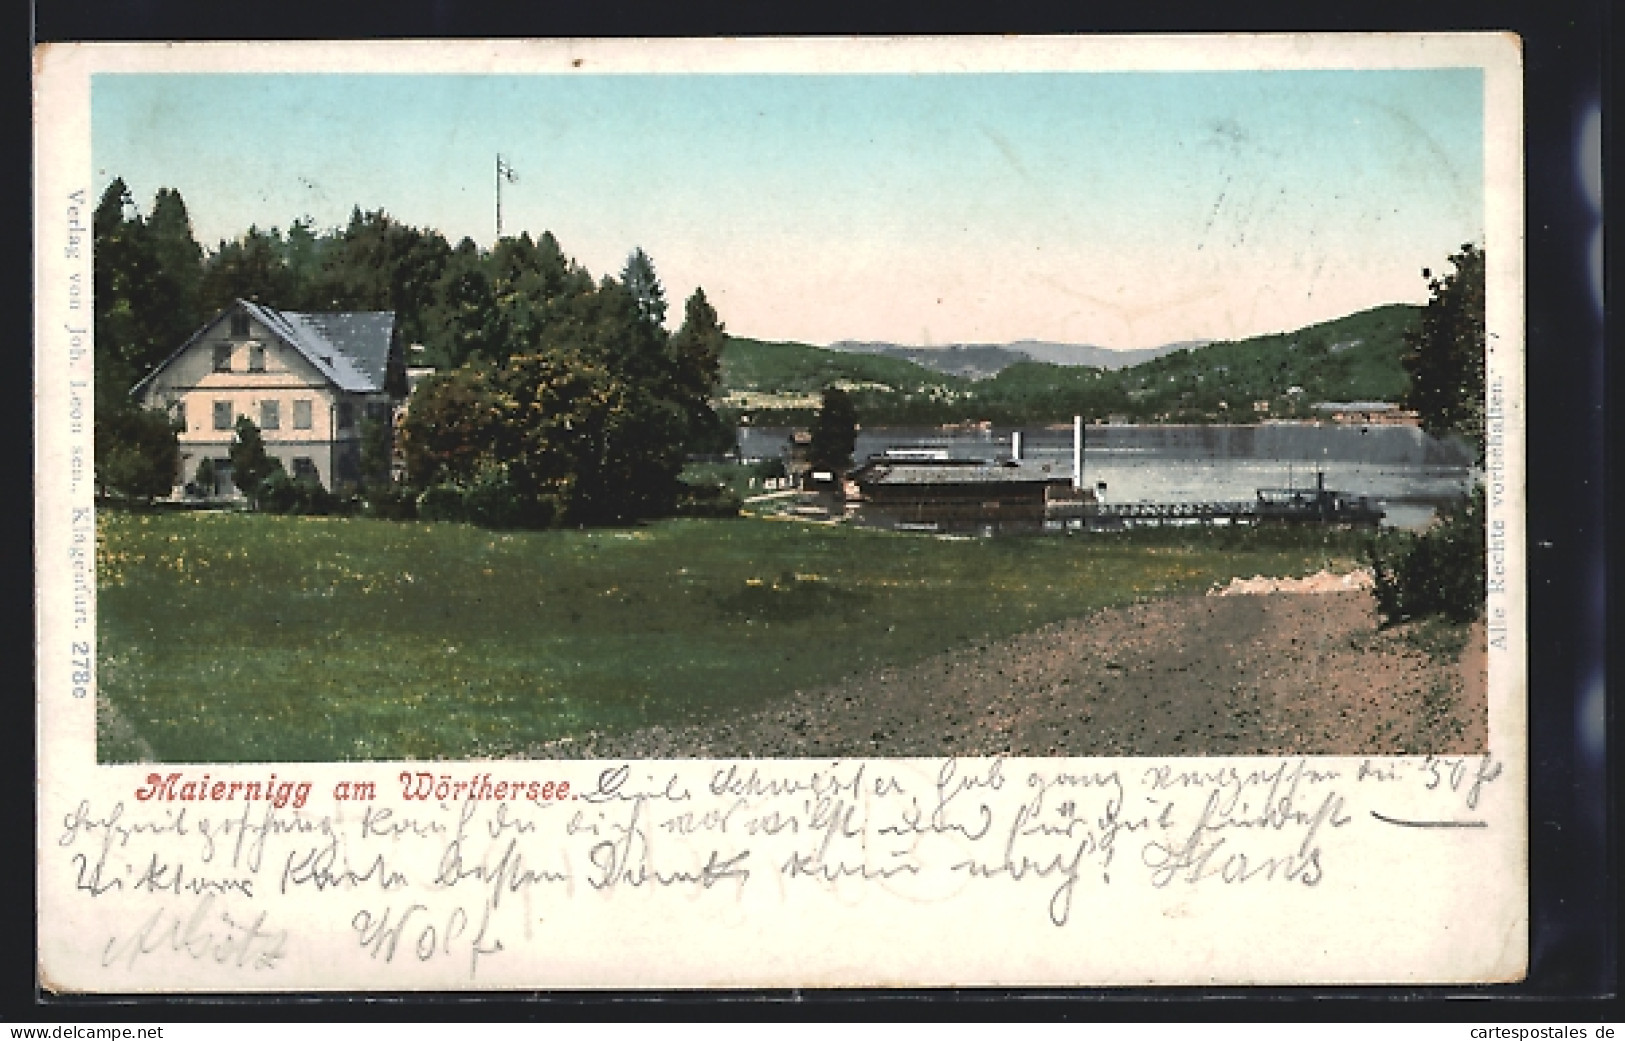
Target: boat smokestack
1077 452
1015 446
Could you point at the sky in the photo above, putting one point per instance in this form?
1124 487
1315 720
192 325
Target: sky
1124 209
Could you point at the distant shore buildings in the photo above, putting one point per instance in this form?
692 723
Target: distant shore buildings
1367 413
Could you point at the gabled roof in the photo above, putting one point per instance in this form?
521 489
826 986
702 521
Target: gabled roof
958 472
349 348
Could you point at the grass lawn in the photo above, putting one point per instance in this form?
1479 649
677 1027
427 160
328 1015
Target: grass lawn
234 637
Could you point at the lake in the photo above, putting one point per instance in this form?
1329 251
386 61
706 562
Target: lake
1410 471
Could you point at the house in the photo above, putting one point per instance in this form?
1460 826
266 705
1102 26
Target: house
308 380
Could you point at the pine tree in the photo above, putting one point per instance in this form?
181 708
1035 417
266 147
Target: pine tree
168 297
250 463
834 432
251 267
696 350
464 323
302 250
179 256
641 281
118 268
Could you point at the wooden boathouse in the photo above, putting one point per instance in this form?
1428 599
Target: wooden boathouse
962 495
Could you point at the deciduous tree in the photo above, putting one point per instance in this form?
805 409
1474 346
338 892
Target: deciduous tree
1441 570
1446 351
137 454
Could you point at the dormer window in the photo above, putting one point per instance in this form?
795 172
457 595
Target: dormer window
222 357
256 357
239 324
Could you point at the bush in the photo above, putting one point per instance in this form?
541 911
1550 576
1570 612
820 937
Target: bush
205 478
281 493
1438 572
136 453
708 500
442 502
389 501
491 501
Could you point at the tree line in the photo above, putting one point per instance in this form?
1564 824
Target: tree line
558 398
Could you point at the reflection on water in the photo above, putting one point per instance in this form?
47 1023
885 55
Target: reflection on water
1409 470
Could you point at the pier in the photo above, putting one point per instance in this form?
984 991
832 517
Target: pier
1317 505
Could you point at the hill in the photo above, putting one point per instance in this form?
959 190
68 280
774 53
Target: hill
1275 376
978 361
1281 375
973 361
1098 357
760 375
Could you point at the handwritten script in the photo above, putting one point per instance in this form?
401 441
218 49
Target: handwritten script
458 872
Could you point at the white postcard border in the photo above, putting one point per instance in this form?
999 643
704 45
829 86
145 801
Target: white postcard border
1396 905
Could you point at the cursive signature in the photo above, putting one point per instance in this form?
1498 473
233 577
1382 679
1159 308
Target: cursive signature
204 933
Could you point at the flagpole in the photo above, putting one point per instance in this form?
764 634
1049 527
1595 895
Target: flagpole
504 173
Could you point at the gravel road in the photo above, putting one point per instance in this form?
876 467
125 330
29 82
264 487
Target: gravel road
1279 673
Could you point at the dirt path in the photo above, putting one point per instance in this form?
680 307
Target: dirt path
1217 675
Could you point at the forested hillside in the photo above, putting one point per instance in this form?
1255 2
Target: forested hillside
1281 375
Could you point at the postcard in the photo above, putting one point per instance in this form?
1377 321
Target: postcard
917 512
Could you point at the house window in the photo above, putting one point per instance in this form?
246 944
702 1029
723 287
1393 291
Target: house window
256 358
239 324
222 415
222 357
179 414
304 468
301 414
270 415
346 415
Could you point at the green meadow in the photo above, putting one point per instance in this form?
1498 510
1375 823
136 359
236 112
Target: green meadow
239 637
